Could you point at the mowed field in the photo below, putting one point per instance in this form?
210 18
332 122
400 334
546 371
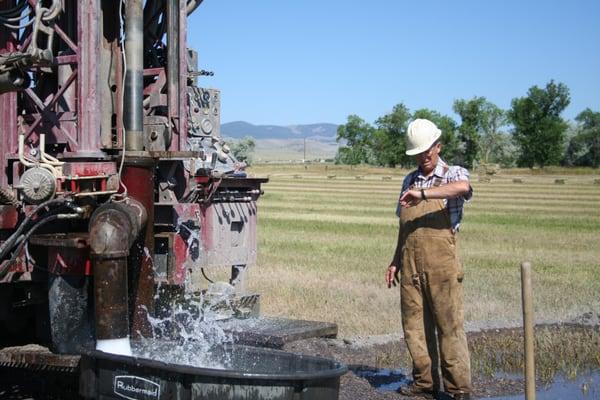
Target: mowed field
327 234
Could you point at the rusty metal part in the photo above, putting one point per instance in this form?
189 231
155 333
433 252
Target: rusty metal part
113 229
13 80
138 176
37 185
7 197
37 358
9 217
110 294
173 64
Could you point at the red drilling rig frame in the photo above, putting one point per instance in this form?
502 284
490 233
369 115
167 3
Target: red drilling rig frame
101 115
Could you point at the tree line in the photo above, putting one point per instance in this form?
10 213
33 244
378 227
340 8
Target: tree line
531 133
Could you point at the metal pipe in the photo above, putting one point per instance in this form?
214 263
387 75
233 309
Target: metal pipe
138 176
113 229
527 300
27 163
47 158
134 84
173 7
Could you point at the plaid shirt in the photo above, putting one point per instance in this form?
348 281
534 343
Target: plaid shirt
453 174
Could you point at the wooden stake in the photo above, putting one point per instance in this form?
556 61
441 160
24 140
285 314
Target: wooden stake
527 299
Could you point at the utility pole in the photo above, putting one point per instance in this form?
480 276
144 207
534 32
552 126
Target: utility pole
304 158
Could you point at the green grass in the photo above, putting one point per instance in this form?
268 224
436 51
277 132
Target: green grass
324 245
559 350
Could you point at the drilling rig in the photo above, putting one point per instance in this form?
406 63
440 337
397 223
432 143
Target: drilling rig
118 201
115 180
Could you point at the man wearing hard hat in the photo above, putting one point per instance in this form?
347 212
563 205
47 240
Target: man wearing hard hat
426 258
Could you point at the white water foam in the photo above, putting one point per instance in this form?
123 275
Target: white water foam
120 346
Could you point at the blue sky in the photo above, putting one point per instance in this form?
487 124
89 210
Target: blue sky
287 62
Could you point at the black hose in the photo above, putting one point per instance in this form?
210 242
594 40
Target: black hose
205 277
9 243
15 11
25 237
14 239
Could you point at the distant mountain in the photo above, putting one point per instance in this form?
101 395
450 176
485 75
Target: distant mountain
321 132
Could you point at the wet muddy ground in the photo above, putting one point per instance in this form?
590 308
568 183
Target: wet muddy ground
567 365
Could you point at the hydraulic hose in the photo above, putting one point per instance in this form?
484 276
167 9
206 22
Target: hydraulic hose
10 242
22 240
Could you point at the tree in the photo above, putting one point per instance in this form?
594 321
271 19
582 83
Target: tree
539 131
242 149
389 144
584 146
450 144
358 138
494 145
469 131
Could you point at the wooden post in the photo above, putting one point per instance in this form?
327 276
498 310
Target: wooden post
527 299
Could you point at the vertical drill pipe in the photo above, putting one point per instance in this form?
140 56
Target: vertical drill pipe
88 100
183 76
138 176
173 70
527 299
108 53
134 84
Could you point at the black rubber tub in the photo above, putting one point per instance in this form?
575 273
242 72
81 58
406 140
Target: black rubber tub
242 372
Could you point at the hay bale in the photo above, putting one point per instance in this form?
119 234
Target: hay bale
386 178
596 181
517 180
359 177
297 176
330 176
488 169
559 181
485 179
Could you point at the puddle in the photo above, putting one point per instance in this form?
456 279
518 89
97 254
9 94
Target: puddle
385 380
584 387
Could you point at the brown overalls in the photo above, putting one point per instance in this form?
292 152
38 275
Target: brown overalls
432 297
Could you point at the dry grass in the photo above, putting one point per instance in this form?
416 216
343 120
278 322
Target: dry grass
325 244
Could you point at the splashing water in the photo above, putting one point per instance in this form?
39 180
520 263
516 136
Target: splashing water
188 332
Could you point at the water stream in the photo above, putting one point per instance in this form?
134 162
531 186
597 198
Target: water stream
186 330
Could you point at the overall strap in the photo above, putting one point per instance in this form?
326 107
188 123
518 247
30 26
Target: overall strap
437 181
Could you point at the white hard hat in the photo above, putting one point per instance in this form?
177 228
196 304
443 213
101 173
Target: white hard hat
421 134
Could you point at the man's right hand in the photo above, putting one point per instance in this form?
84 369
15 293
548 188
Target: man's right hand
391 276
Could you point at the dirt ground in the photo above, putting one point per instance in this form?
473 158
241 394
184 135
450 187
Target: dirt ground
371 353
380 353
389 351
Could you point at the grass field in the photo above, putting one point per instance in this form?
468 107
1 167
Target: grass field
327 234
